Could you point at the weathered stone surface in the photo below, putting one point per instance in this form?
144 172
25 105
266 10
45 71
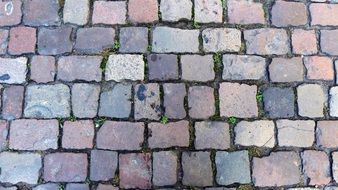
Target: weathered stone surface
77 186
197 169
311 106
163 67
279 102
103 165
109 12
65 167
106 187
35 16
266 41
147 101
165 168
115 100
324 14
325 131
286 13
47 101
76 12
13 70
86 68
3 40
42 69
32 134
125 67
259 133
286 70
166 135
12 101
22 40
281 167
319 68
221 39
243 67
333 101
335 165
135 170
233 167
208 11
201 102
175 10
181 41
316 166
114 135
94 40
304 42
245 12
47 186
212 135
3 134
78 134
85 100
143 11
54 41
11 14
133 39
239 102
20 167
173 100
299 133
197 68
327 41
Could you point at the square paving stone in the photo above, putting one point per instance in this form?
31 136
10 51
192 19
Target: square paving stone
76 11
286 70
43 69
162 67
22 40
12 101
133 39
173 10
212 135
78 134
173 100
12 13
210 11
147 101
54 41
85 100
279 102
311 106
164 168
103 165
245 12
35 16
197 169
32 134
221 39
135 170
201 102
325 131
47 101
197 68
115 100
143 11
319 68
296 133
316 166
233 167
13 70
20 167
109 12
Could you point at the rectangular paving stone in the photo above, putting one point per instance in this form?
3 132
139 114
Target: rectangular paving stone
233 167
239 102
12 101
124 67
147 101
212 135
106 187
311 106
13 70
173 10
3 134
324 133
103 165
221 40
47 101
115 100
316 166
77 186
327 39
54 41
133 39
243 67
42 69
304 42
22 40
76 11
162 67
114 135
197 169
4 34
283 168
78 134
165 168
181 41
35 16
260 133
197 68
135 170
201 102
47 186
173 100
142 11
85 100
65 167
298 133
324 14
267 41
286 13
208 11
279 102
109 12
319 68
20 167
245 12
286 70
32 134
166 135
94 40
11 12
87 68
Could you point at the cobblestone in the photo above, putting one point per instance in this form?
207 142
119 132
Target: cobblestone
173 10
201 101
212 135
78 134
221 39
311 106
85 99
76 12
173 100
103 165
286 70
163 67
197 68
35 16
43 69
296 133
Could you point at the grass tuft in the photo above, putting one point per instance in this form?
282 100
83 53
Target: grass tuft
100 121
232 120
164 120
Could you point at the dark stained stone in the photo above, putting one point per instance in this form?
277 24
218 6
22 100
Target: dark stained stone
55 41
163 67
174 100
133 39
279 102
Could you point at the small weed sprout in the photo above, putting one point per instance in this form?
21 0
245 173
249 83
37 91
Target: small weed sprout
164 120
259 97
195 25
232 120
100 121
116 46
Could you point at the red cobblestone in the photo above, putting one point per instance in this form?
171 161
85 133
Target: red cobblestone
285 13
324 14
316 166
143 11
12 13
304 42
12 99
78 134
319 68
22 40
245 12
109 12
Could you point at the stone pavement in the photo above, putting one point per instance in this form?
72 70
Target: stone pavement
168 94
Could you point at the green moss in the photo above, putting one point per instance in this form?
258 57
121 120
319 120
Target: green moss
245 187
195 25
72 118
232 120
259 97
100 121
255 152
116 179
164 119
61 187
116 46
150 48
218 61
224 5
